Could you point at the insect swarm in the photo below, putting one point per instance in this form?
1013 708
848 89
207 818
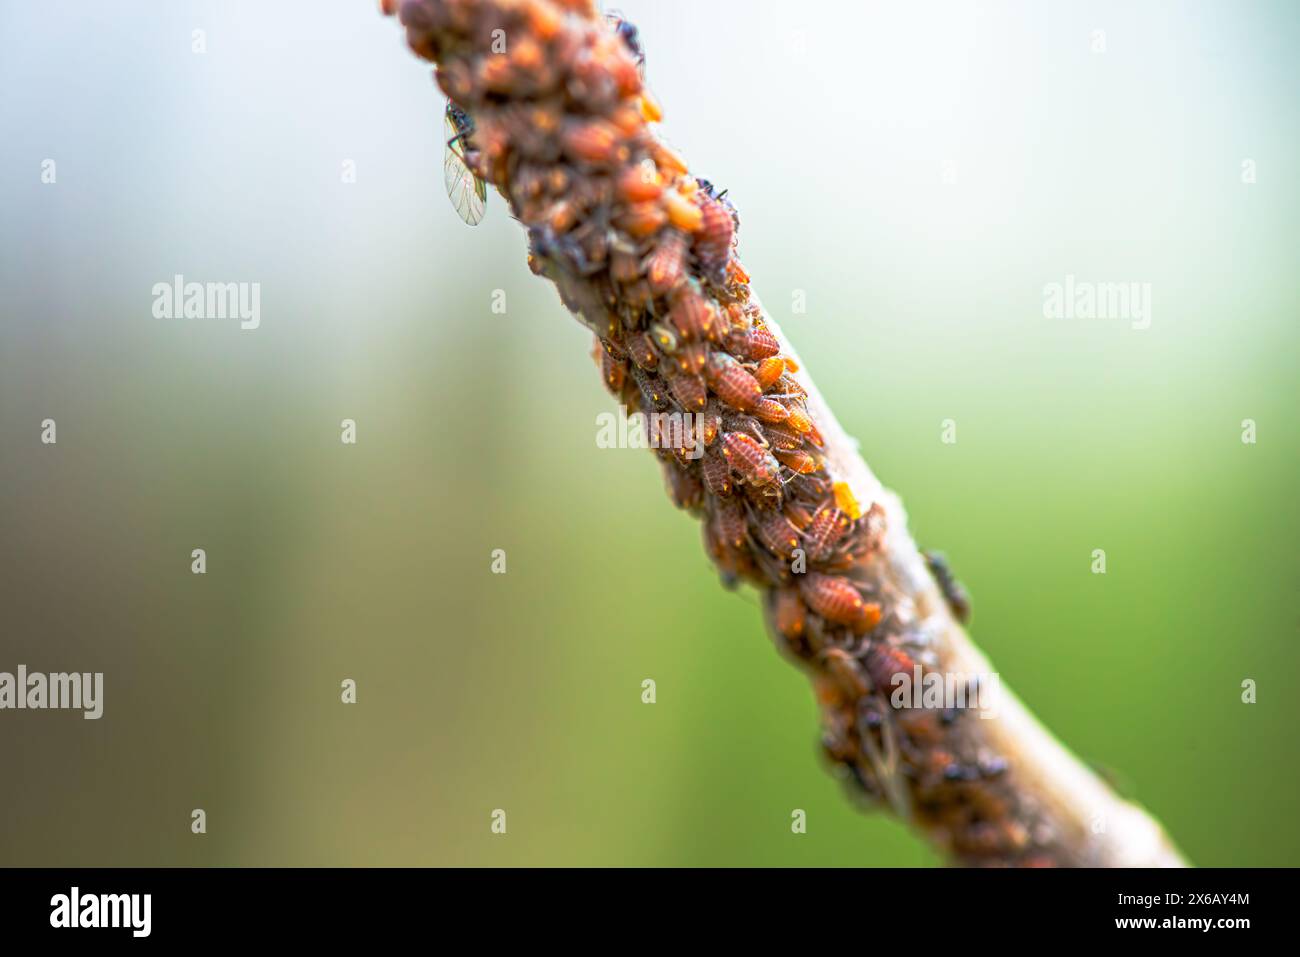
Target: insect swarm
644 255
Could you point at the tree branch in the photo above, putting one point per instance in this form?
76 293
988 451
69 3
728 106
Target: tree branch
644 255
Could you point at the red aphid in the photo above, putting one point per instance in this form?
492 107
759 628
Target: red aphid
712 422
689 390
760 344
713 239
693 357
733 384
826 528
613 371
788 613
716 474
684 486
640 350
832 597
782 438
593 141
749 459
651 387
776 532
665 267
729 523
847 672
624 267
691 314
884 662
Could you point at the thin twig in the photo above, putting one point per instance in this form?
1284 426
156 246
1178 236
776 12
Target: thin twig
644 255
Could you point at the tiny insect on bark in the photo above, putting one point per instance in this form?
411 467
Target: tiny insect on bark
953 593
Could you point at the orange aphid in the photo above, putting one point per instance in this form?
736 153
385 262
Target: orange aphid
800 421
668 159
640 183
526 53
868 620
791 365
651 111
594 141
627 119
769 410
641 219
682 213
798 460
542 17
768 371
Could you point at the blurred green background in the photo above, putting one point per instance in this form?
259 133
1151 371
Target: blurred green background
919 172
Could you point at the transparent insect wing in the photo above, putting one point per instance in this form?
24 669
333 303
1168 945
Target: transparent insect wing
468 193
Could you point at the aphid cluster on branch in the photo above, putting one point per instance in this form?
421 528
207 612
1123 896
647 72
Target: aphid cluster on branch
643 252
